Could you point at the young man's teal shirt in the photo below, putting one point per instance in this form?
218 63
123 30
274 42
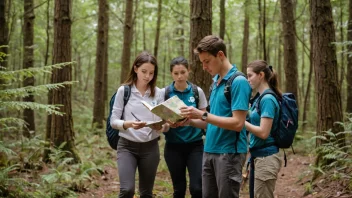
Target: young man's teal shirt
219 140
186 134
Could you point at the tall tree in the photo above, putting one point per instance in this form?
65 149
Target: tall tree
4 31
127 41
28 59
290 49
245 38
324 59
157 34
201 18
265 55
61 129
101 63
222 19
349 61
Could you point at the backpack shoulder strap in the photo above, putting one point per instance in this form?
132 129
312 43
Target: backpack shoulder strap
126 94
257 105
195 93
227 89
167 92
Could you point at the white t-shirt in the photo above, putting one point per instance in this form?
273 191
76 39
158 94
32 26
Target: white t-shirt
135 106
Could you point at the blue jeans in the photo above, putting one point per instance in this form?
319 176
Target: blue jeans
178 157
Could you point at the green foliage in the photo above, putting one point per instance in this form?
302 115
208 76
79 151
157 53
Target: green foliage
334 159
9 96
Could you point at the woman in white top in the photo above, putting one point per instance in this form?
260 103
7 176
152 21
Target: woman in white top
138 145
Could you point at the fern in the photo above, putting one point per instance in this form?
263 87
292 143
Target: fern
8 94
19 105
18 75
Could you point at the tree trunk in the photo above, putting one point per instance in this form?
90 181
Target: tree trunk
62 126
100 65
279 62
260 36
264 32
349 61
245 38
290 49
222 19
201 18
157 34
324 59
47 31
28 59
127 41
4 31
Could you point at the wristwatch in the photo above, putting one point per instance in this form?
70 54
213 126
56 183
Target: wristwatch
204 116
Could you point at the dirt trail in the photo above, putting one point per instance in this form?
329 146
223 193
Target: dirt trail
291 182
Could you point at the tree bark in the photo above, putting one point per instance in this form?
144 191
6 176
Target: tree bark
349 61
157 34
201 19
127 41
264 32
222 19
4 31
28 60
245 38
290 49
324 59
61 130
100 66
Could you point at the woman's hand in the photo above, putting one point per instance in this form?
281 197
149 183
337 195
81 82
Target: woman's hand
191 112
156 126
138 124
184 122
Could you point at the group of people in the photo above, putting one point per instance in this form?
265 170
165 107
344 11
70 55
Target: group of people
215 167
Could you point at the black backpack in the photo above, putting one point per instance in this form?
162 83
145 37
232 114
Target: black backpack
227 93
113 134
194 90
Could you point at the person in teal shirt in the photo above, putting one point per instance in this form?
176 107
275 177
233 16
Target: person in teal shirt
265 163
226 142
184 144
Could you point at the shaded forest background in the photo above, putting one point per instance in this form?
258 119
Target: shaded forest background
77 53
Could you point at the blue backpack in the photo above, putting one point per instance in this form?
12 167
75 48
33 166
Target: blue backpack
113 134
288 120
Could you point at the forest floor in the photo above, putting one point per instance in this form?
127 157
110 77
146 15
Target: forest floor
293 182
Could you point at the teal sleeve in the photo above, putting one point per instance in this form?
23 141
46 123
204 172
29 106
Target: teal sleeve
240 94
268 107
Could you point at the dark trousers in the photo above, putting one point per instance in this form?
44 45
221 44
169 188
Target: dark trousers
178 157
132 155
222 174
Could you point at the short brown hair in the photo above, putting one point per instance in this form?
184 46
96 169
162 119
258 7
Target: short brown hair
211 44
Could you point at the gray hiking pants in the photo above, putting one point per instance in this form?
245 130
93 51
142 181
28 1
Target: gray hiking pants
132 155
222 174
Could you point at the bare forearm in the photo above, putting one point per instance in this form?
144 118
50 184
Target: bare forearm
230 123
198 123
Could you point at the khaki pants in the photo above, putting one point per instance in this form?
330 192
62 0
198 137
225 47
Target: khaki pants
266 171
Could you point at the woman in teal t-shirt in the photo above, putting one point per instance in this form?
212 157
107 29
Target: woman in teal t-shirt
184 145
265 163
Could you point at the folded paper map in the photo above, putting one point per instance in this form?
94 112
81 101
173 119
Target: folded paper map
154 123
168 110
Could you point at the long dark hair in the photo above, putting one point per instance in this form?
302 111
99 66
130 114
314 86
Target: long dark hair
142 58
270 75
178 61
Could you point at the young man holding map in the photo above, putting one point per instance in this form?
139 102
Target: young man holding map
226 144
